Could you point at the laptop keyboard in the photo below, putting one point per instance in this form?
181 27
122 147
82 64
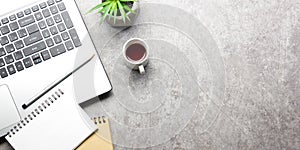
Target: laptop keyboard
35 35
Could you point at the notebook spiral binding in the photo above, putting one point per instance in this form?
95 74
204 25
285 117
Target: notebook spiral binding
99 120
44 105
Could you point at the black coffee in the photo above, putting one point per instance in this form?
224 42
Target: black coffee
136 52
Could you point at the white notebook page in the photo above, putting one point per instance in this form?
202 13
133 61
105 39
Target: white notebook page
58 127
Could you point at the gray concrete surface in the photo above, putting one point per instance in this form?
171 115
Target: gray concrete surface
222 75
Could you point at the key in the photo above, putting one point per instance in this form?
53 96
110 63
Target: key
42 25
26 21
53 10
34 48
22 33
20 14
9 48
32 29
36 58
46 13
19 66
38 16
27 11
11 69
50 21
3 73
65 36
57 18
45 55
69 45
19 44
2 62
49 42
4 30
75 38
46 33
57 50
27 62
61 6
67 19
2 51
9 59
4 40
14 26
18 55
35 8
61 27
4 20
13 36
12 17
33 38
57 39
50 2
53 30
43 5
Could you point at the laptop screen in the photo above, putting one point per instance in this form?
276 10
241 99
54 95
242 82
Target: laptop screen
11 5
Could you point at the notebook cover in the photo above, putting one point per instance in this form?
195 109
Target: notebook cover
101 139
56 124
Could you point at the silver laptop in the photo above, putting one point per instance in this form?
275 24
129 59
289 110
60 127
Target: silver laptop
41 42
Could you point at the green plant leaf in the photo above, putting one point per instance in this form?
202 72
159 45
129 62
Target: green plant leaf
102 10
99 6
121 8
128 0
111 8
115 15
129 9
107 9
114 6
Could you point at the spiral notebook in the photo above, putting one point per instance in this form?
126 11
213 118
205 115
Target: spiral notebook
56 124
101 139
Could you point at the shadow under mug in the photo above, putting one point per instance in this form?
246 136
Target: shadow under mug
140 63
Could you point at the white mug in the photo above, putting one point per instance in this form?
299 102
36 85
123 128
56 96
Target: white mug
140 63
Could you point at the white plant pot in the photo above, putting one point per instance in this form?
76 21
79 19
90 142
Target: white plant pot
119 20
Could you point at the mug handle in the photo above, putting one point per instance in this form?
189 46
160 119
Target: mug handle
142 69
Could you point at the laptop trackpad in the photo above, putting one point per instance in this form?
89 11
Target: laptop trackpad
8 111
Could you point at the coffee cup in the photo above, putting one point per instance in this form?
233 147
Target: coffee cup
136 54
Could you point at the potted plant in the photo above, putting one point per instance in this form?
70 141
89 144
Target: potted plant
118 13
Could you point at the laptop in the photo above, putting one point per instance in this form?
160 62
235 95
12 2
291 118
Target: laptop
42 41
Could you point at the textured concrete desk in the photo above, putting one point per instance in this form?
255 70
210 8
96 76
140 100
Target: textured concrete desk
222 75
